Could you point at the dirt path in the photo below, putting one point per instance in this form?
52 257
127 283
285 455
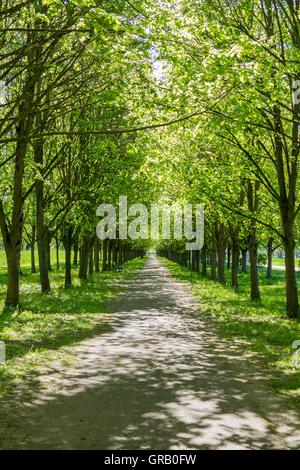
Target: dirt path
160 379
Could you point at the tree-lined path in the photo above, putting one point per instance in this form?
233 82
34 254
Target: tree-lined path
161 378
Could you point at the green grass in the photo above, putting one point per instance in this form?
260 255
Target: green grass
261 326
43 326
281 262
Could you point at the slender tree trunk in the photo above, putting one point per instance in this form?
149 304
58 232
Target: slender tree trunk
57 252
114 251
13 254
213 264
84 257
270 255
221 248
288 197
75 254
254 295
109 254
197 261
252 199
204 262
91 261
235 261
120 254
104 261
49 254
42 238
292 304
228 257
67 241
97 255
32 247
42 241
244 260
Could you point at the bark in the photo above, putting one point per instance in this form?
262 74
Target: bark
255 294
252 197
42 242
32 248
244 260
235 260
228 257
104 261
91 260
120 255
114 251
213 264
57 252
109 254
204 262
67 241
84 257
197 261
287 201
292 304
221 248
97 255
270 255
75 252
49 254
13 271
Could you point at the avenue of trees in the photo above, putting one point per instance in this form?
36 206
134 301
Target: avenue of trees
236 66
172 101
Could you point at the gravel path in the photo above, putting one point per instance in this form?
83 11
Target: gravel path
161 378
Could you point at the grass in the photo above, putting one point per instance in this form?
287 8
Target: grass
261 326
43 326
281 262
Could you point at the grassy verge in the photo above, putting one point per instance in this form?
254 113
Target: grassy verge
261 325
281 262
39 331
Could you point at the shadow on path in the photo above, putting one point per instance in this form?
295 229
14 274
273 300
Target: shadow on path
161 378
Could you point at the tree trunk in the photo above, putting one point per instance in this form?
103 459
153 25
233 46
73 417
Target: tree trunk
109 254
292 305
97 255
57 253
41 239
84 258
91 261
235 262
104 261
270 255
213 264
204 263
114 252
287 200
67 241
244 260
13 254
49 254
32 253
75 254
221 248
252 198
254 295
228 257
41 232
197 261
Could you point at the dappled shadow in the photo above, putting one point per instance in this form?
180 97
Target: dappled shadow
44 326
161 378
